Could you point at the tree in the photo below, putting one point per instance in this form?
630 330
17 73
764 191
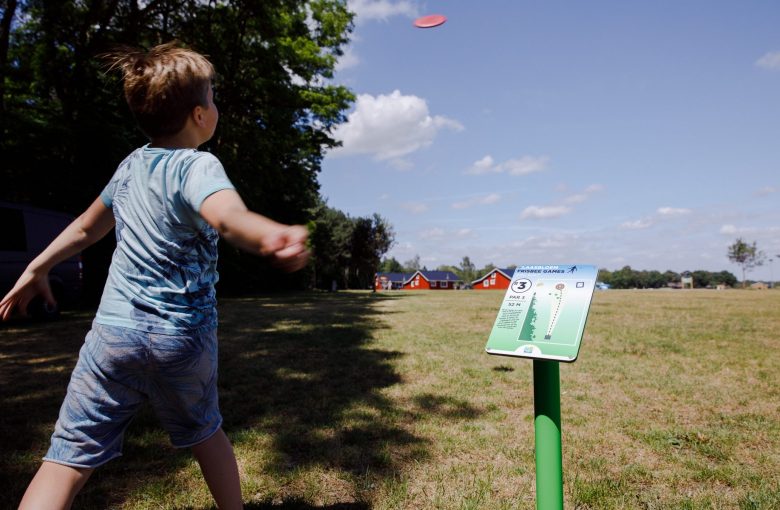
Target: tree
330 238
347 250
410 266
488 268
63 120
370 240
390 265
9 12
724 278
747 256
468 271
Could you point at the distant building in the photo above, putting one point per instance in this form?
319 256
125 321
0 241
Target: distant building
759 286
495 279
434 280
390 281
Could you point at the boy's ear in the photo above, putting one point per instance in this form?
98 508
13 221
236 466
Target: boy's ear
197 115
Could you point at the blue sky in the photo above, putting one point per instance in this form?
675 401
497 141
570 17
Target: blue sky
606 132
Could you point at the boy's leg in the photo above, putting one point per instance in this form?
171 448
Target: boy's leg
54 486
218 464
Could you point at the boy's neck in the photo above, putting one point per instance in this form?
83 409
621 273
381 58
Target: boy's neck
181 140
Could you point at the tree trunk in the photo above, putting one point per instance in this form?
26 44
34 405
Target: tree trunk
5 35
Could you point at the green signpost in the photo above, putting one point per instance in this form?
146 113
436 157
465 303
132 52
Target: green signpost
543 317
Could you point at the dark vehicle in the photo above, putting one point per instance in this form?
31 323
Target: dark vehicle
24 233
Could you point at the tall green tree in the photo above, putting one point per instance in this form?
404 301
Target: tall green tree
467 270
372 237
65 125
390 265
331 237
746 255
346 250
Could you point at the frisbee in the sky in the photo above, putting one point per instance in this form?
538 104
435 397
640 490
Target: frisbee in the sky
430 21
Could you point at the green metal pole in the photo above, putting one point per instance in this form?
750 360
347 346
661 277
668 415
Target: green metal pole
547 428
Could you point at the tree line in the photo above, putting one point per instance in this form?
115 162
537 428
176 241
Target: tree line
65 125
627 278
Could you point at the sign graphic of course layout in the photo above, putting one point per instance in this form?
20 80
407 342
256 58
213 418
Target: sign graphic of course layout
543 313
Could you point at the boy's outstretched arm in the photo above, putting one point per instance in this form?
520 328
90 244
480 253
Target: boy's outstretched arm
87 229
285 244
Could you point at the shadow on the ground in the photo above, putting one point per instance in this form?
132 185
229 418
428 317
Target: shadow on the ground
294 505
36 359
294 369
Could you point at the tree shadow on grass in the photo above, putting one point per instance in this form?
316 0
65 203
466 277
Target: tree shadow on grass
301 370
36 359
296 505
298 380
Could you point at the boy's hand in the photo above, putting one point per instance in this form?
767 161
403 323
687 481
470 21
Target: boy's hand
287 248
27 287
285 245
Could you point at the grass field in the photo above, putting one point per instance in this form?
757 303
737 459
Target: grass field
381 401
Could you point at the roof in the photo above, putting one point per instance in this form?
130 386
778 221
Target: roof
508 272
437 276
395 277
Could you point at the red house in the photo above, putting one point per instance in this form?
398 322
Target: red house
495 279
390 281
433 280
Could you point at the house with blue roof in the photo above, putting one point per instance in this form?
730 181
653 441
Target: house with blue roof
419 280
433 280
391 281
498 278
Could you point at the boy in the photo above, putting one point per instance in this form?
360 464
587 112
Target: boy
154 334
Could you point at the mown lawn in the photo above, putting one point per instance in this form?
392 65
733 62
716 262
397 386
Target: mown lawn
363 401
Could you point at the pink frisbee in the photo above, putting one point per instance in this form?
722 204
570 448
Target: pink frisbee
430 21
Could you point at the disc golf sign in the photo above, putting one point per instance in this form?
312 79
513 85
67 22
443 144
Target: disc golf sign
544 312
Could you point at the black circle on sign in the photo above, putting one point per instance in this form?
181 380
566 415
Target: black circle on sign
521 285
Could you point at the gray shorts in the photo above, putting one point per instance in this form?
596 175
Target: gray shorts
118 370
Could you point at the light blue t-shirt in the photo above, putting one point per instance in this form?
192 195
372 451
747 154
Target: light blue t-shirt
164 268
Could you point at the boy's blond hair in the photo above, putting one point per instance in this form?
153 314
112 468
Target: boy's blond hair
163 85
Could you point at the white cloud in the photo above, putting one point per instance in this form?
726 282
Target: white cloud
662 213
401 164
433 233
769 61
389 126
522 166
759 232
552 211
483 166
673 211
593 188
766 190
578 198
490 199
414 207
536 212
381 9
637 225
347 60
